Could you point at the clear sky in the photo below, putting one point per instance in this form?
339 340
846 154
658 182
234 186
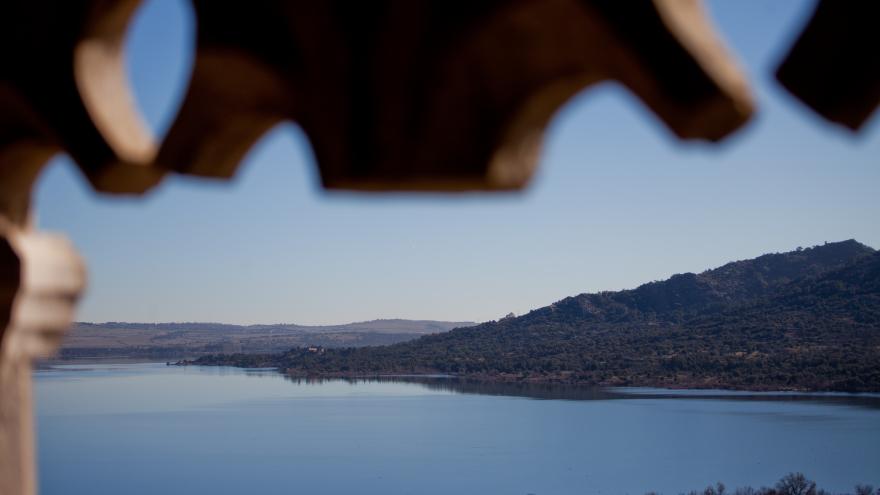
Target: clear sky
617 201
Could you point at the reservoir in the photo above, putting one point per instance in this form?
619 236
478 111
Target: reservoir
151 428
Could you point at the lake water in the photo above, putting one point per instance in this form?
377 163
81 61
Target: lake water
152 429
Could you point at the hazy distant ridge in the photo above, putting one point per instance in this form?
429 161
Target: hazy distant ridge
178 340
395 325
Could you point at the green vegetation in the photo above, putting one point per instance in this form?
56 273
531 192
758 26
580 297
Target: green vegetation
804 320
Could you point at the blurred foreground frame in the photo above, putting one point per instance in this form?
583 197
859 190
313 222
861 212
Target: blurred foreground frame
413 95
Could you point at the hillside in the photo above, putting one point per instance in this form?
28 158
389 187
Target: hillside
804 320
187 340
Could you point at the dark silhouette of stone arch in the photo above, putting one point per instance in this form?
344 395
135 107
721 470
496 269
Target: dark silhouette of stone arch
426 95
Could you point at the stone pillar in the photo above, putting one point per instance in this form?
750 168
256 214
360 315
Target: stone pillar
41 278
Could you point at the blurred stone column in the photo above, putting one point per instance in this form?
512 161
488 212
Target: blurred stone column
41 278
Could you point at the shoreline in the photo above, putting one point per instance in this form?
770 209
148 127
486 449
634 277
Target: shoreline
705 385
539 380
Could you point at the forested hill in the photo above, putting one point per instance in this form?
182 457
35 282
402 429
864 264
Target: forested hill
806 320
682 294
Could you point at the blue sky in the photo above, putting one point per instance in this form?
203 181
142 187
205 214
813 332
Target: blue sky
617 201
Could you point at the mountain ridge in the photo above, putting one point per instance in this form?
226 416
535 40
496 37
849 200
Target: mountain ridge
387 325
164 341
726 282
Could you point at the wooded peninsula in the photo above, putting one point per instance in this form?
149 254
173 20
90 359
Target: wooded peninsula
806 320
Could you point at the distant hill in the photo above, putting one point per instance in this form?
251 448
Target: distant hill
803 320
188 340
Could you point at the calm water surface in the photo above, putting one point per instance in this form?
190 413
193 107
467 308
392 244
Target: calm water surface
152 429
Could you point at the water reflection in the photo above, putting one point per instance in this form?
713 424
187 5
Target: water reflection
551 391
